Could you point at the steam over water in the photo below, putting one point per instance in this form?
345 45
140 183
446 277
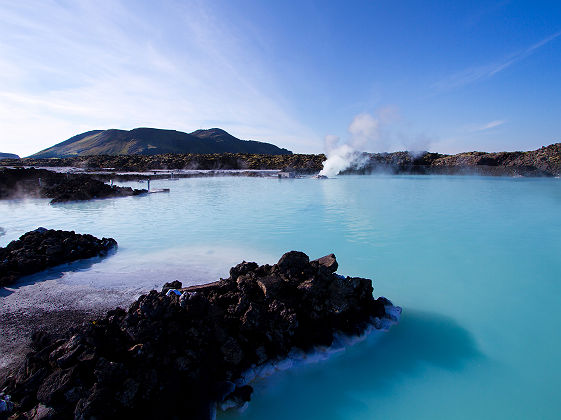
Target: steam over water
474 262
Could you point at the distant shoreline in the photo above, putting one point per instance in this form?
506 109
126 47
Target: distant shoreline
543 162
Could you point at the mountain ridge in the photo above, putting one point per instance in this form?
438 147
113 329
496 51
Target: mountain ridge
154 141
8 156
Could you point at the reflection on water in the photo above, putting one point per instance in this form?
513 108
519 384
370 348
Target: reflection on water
54 273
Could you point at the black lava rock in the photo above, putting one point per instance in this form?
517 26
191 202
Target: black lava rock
178 356
60 187
44 248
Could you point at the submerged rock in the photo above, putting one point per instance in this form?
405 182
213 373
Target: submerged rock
196 346
43 248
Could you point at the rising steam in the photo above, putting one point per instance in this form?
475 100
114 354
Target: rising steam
338 159
367 132
364 129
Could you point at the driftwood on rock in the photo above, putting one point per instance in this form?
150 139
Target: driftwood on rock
180 352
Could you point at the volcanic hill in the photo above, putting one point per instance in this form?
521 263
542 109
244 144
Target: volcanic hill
153 141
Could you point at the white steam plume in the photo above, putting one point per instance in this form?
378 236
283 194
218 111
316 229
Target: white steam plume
363 129
338 159
370 133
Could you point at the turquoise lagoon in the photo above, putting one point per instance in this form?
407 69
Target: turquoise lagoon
475 262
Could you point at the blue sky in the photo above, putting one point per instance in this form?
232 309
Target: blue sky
386 75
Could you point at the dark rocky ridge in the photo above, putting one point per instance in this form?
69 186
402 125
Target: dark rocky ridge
176 353
17 183
545 161
153 141
297 162
44 248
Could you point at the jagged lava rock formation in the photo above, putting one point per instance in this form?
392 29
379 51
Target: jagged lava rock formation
179 352
43 248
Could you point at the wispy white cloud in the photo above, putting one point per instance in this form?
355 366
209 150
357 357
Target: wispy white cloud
486 126
476 73
66 67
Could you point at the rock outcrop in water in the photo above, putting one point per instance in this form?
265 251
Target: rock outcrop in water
177 353
44 248
16 183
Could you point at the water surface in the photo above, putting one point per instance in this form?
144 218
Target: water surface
475 263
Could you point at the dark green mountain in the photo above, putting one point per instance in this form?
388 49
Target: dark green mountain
8 156
153 141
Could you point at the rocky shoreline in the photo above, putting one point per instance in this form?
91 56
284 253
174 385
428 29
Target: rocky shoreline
44 248
193 345
545 161
59 187
219 161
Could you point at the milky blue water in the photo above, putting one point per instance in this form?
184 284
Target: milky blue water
475 263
